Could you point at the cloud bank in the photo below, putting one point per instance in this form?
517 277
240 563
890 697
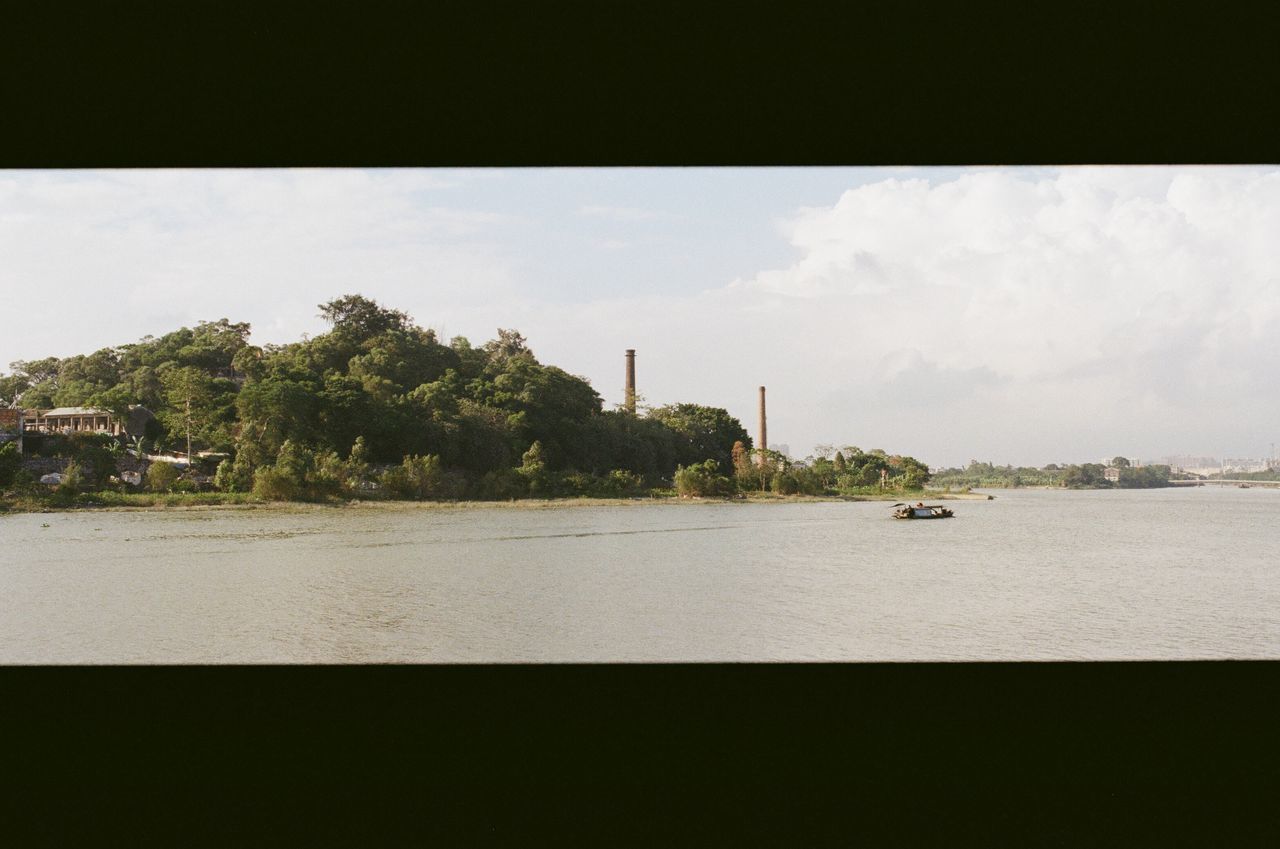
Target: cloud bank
1018 317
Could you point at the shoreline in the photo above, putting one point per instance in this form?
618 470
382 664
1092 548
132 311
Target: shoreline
520 503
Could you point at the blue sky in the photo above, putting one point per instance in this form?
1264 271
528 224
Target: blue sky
1025 315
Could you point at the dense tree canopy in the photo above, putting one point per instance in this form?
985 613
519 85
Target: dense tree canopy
379 379
378 401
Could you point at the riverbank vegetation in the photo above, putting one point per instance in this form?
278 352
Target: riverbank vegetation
1081 476
380 408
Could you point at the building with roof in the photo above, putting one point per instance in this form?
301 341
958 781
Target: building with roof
87 419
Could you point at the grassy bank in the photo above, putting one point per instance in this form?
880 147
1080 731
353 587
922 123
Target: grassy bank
107 499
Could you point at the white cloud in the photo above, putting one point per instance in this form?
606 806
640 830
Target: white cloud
1063 303
101 258
1012 316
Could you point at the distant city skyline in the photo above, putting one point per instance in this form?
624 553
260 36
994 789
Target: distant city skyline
1011 315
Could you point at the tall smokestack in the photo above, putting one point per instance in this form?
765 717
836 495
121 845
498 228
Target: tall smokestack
764 432
631 381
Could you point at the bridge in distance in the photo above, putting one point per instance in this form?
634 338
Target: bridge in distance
1224 483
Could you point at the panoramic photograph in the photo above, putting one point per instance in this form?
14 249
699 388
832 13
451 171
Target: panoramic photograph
639 415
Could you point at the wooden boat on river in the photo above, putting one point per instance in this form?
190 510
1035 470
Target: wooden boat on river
922 511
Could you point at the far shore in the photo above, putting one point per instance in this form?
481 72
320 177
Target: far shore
202 501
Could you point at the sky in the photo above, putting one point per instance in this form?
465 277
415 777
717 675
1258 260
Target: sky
1010 315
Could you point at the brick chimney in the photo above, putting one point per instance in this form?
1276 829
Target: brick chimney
764 432
631 381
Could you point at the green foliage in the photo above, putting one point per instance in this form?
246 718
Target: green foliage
1086 476
988 475
622 482
222 478
784 483
96 454
360 318
487 421
161 477
703 433
501 485
273 484
299 474
1145 477
235 475
10 462
702 479
416 478
533 469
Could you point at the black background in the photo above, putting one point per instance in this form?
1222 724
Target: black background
1092 754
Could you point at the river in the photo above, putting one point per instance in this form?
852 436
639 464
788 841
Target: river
1052 575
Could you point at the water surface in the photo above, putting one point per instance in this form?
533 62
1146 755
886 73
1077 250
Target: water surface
1182 573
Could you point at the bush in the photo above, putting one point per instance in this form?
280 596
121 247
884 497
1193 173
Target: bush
272 483
161 476
234 475
222 479
622 482
533 468
501 485
10 462
416 477
94 453
294 476
328 478
357 465
72 477
784 483
295 461
702 479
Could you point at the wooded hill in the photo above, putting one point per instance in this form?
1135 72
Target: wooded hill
326 416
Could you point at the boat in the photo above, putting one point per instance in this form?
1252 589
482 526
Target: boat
922 511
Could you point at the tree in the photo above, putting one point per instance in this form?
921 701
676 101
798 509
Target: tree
1120 462
702 479
533 469
509 344
704 433
360 318
358 461
1086 476
161 477
11 389
72 480
416 477
190 391
10 462
35 381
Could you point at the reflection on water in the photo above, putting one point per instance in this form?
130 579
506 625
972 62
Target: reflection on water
1031 575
